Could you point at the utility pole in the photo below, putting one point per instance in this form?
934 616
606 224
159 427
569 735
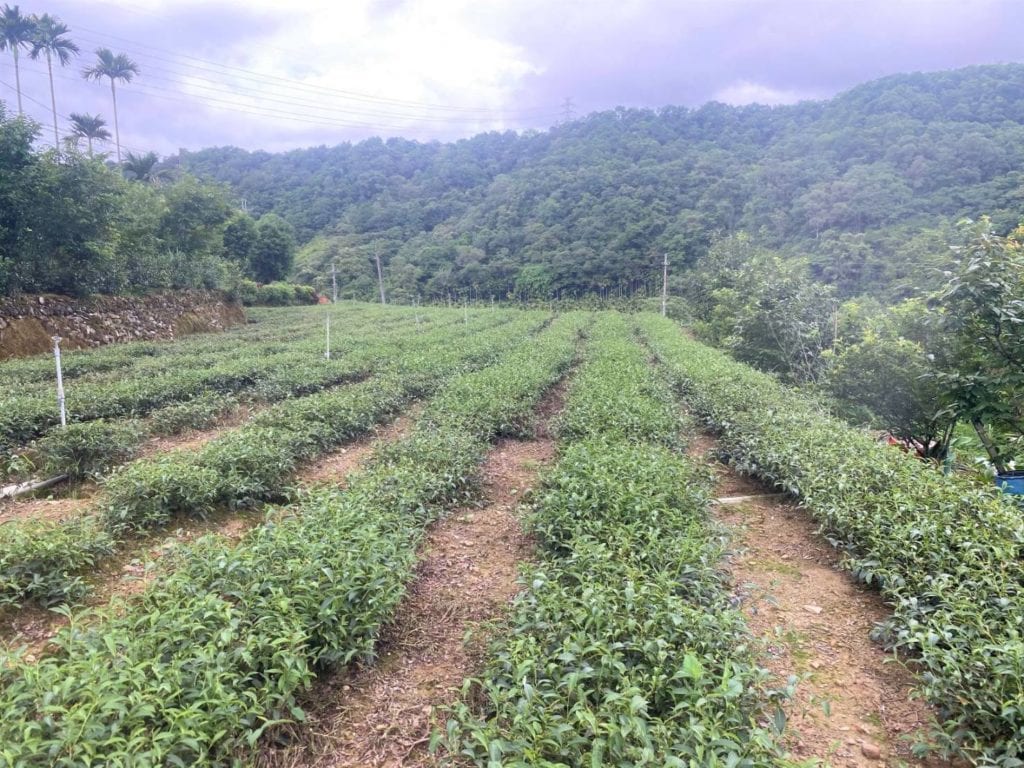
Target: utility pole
334 284
568 110
327 351
380 273
664 286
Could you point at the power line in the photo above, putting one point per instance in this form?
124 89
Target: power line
306 103
160 92
290 115
205 64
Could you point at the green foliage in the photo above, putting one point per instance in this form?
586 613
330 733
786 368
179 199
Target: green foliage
277 294
217 650
254 463
944 552
49 556
622 649
980 322
765 309
88 450
864 185
614 395
240 238
887 381
71 225
274 250
200 412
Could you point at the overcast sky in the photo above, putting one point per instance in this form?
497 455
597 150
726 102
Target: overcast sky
274 75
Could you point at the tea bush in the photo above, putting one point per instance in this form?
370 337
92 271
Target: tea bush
254 462
90 449
216 650
623 649
201 412
945 553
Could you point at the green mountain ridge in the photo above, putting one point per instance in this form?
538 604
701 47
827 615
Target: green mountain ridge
864 187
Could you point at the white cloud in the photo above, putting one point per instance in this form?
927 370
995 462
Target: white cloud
747 92
387 72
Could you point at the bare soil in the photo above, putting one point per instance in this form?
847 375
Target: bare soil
66 501
334 468
128 572
384 714
192 439
853 704
48 508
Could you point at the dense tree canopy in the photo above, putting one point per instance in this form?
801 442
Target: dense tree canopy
864 187
72 224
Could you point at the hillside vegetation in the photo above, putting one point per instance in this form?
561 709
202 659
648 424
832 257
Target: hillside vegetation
864 187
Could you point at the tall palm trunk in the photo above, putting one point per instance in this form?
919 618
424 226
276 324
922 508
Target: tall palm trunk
89 139
117 131
17 78
53 102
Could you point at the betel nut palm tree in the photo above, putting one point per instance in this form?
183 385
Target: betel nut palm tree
116 67
16 32
51 39
89 127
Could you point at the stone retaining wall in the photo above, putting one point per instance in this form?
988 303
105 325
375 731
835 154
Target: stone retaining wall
28 322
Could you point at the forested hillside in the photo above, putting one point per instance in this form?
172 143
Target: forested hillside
864 187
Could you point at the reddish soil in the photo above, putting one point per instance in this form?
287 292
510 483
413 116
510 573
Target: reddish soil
48 508
333 468
384 714
853 704
128 572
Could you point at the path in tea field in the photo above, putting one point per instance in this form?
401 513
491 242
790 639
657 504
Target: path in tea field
852 705
129 572
66 501
335 466
383 715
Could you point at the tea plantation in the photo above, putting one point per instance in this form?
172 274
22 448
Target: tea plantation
626 645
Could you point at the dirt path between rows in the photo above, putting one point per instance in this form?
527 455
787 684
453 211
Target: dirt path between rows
333 468
128 572
64 502
383 715
853 704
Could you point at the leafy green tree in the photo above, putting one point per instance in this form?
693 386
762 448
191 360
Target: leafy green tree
89 127
980 323
193 218
240 239
116 68
886 381
786 321
275 249
16 159
50 38
862 186
16 31
533 282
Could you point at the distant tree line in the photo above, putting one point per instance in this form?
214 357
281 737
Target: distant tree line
864 190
